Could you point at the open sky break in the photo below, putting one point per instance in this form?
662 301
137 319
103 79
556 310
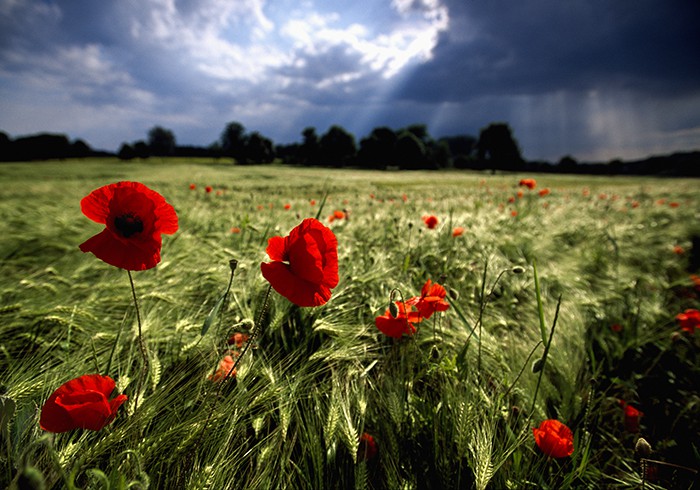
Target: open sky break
594 79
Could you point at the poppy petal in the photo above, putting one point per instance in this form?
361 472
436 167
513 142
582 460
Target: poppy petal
277 249
292 287
96 204
126 254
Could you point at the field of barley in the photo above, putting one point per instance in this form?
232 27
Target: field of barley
570 299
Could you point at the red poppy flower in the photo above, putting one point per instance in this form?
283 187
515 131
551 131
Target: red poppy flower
287 206
135 217
192 187
529 183
430 221
695 279
431 299
457 231
544 192
367 448
632 418
81 403
238 339
402 324
554 439
235 229
208 189
616 327
689 320
678 250
304 265
224 368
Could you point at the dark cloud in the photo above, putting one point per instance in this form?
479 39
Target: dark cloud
595 78
534 47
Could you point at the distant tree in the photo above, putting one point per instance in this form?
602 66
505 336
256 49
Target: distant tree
410 151
567 164
141 149
337 147
420 131
310 150
497 148
161 142
378 149
233 141
41 146
5 145
126 152
80 149
258 149
461 149
440 155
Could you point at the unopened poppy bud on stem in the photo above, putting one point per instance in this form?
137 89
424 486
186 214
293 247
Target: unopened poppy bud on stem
642 448
517 270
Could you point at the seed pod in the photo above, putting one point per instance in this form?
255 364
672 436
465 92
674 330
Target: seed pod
537 365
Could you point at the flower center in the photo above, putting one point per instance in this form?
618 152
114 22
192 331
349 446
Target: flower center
128 224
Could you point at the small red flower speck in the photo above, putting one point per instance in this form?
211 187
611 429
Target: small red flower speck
689 320
223 370
544 192
457 231
529 183
367 448
430 221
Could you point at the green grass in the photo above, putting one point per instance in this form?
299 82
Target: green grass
451 407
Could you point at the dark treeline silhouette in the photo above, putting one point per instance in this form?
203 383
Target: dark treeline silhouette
408 148
43 146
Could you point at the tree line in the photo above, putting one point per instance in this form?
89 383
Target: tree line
408 148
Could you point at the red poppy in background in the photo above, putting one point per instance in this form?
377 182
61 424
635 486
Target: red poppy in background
431 299
288 206
81 403
632 418
135 217
208 189
689 320
544 192
457 231
554 439
304 265
402 324
238 339
192 187
223 369
529 183
678 250
367 448
616 327
430 221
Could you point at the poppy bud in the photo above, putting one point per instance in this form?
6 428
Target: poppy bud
434 353
393 309
517 270
233 263
454 294
642 449
537 365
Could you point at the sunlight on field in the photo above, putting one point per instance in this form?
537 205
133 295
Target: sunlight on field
452 406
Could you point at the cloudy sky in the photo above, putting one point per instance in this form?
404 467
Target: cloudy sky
595 79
